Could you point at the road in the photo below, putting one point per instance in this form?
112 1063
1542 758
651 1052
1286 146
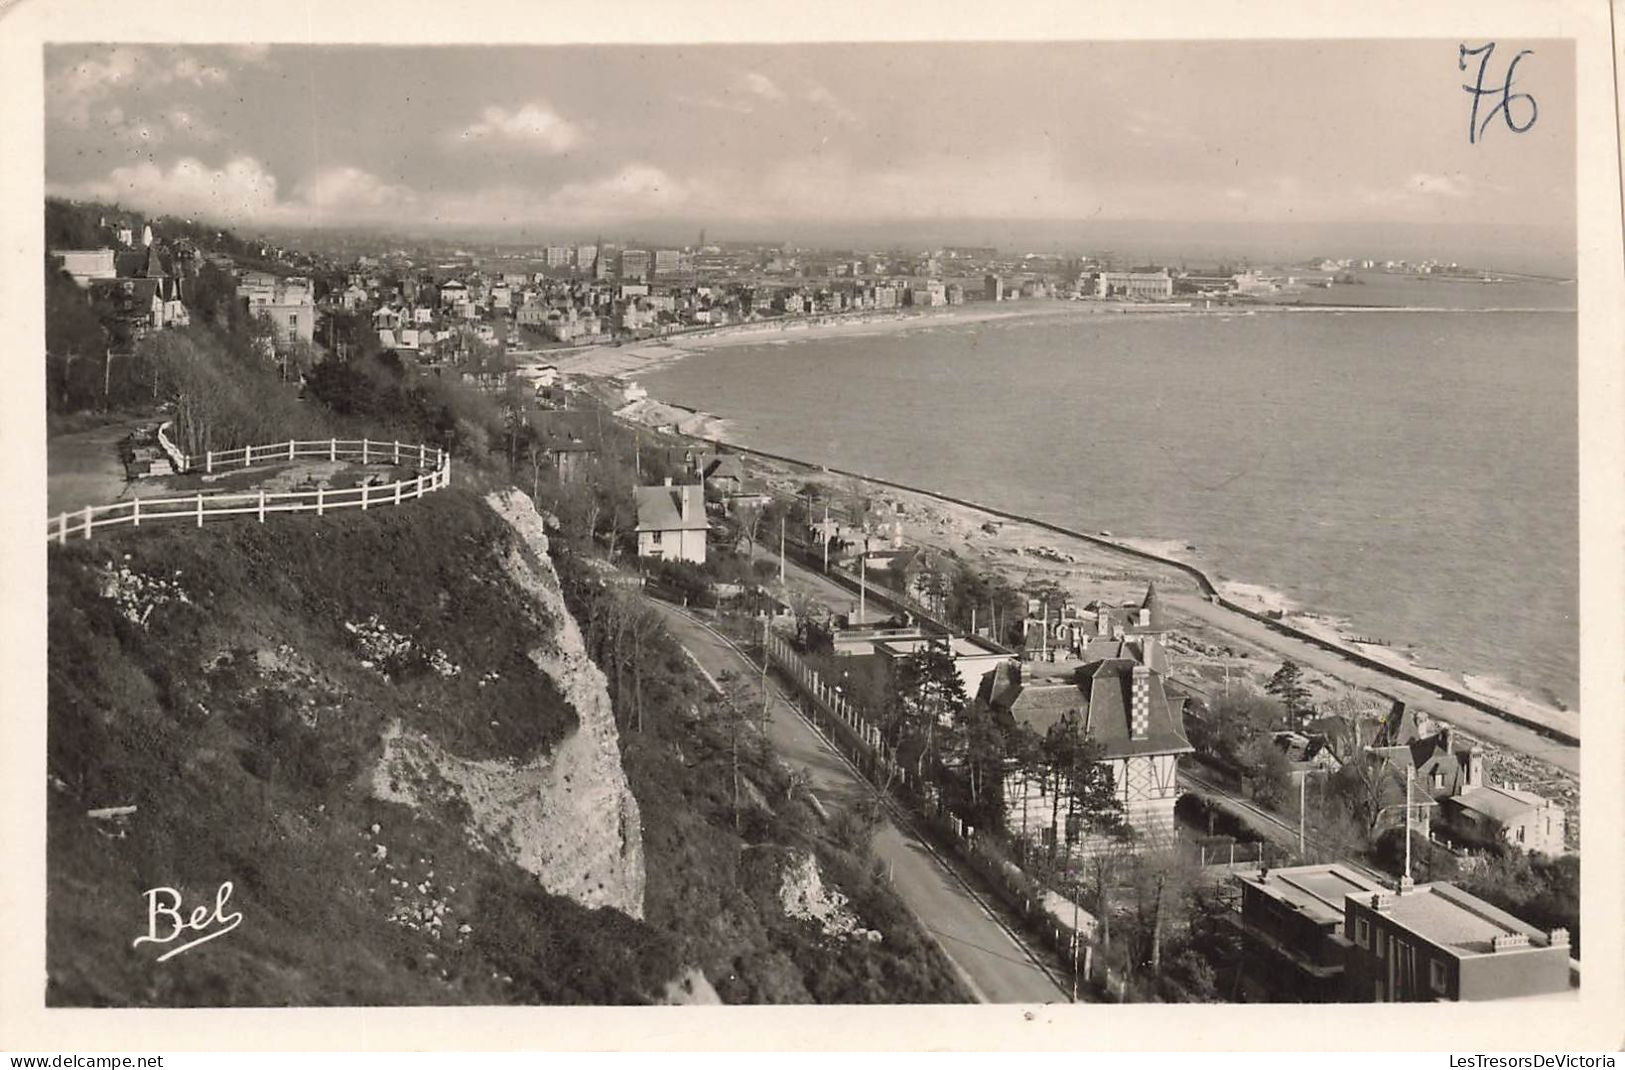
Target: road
84 468
994 965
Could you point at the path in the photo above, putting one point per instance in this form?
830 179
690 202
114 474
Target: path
997 966
84 468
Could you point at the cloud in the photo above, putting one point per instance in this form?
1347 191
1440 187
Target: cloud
535 125
1442 185
241 190
820 96
184 122
74 88
758 84
353 190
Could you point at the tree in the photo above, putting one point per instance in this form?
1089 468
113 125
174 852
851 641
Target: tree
1269 771
929 695
1082 783
1288 685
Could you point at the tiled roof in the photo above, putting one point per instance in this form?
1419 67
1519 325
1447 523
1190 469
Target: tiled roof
659 508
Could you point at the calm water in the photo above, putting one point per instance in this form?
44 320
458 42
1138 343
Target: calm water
1412 472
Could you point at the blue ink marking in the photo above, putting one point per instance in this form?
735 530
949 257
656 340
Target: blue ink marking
1475 129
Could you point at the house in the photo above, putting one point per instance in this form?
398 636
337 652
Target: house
1291 925
671 522
973 656
726 473
1487 813
1433 942
87 265
1122 703
569 440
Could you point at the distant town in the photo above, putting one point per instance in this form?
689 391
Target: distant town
439 302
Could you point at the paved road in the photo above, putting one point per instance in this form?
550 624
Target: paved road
997 968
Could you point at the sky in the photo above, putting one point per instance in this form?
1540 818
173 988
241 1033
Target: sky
748 139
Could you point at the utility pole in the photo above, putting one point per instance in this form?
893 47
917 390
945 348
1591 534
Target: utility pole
863 584
781 549
107 369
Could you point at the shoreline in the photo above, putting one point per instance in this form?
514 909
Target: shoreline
1560 725
609 360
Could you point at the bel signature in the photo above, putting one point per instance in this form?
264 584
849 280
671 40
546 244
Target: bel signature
1479 91
164 906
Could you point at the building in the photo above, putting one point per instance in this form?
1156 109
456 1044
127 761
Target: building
1435 942
87 265
635 264
1121 702
285 303
668 261
1487 813
993 288
586 257
1291 923
556 256
1136 285
973 656
671 522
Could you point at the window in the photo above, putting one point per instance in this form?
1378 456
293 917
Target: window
1438 976
1362 932
654 538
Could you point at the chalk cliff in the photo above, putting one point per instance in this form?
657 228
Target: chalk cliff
567 816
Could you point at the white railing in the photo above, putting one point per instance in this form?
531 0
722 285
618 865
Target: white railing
433 464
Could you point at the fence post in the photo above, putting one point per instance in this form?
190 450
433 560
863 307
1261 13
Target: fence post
135 511
318 500
423 456
208 461
363 485
397 453
364 444
398 492
290 449
332 449
248 456
87 521
200 508
262 505
62 530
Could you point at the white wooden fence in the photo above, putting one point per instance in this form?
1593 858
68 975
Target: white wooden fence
433 465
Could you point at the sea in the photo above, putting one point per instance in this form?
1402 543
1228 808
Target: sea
1410 474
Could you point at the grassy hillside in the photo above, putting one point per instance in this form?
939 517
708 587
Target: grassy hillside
220 691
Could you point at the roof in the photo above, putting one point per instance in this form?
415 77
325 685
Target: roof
661 508
727 466
1505 805
1153 602
1446 916
1100 692
1316 891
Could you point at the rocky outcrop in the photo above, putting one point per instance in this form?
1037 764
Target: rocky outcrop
569 817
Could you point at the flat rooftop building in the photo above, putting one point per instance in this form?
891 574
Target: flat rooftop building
1291 921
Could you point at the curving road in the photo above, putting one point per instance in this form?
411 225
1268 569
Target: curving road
993 965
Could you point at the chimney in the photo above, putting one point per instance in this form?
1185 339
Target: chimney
1382 902
668 481
1139 719
682 501
1558 938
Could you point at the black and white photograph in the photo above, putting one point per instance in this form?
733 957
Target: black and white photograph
1057 519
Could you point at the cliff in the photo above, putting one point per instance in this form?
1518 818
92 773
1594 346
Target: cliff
567 816
381 728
